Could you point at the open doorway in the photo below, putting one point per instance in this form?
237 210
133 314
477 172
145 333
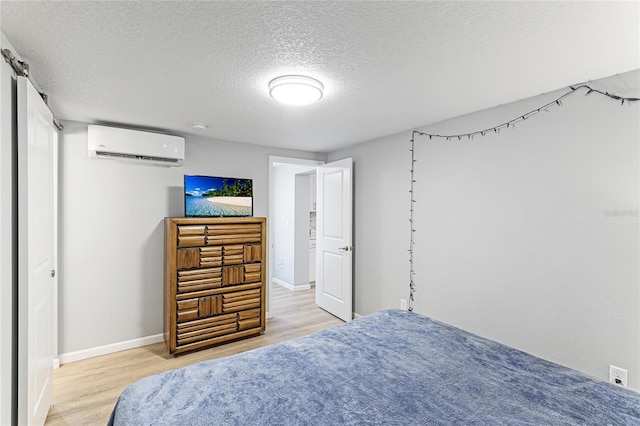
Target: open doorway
291 256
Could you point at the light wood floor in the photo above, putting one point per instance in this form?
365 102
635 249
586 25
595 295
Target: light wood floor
84 392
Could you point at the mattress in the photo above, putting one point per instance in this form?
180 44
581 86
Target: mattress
390 367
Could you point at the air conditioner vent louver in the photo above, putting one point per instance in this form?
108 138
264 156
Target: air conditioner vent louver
135 146
136 157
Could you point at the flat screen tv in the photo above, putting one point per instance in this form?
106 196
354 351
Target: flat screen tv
212 196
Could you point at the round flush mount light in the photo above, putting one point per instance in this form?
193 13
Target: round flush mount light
295 89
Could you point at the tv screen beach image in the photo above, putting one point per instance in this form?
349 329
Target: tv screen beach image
217 196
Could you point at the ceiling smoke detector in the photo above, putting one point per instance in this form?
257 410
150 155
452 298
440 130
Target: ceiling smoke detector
296 90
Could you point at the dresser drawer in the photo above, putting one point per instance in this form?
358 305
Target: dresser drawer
192 331
241 300
232 255
207 317
242 274
233 234
191 235
198 306
252 272
198 257
199 279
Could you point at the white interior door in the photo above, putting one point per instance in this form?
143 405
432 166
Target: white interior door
334 247
35 256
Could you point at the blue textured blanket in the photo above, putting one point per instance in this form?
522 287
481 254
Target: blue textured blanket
389 368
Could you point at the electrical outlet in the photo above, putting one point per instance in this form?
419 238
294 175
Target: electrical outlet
618 375
403 304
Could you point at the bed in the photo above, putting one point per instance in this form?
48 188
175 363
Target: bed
390 367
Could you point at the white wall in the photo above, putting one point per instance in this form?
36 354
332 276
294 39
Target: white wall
517 237
301 231
380 229
111 233
288 217
282 185
8 277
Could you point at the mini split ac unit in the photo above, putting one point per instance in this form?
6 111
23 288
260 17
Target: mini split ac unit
135 146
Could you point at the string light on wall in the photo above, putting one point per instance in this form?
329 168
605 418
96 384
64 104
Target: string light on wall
412 285
511 124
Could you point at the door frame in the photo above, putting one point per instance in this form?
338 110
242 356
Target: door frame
8 241
55 182
270 227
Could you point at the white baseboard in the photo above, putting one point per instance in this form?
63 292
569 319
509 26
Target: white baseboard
291 287
109 349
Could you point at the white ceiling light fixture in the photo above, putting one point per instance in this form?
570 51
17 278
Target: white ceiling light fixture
296 89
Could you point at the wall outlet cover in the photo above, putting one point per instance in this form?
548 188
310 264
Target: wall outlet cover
618 375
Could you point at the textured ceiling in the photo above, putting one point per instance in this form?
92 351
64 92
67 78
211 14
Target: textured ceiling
387 66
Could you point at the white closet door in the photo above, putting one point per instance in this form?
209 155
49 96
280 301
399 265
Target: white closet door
35 256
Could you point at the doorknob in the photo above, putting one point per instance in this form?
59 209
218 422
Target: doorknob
345 248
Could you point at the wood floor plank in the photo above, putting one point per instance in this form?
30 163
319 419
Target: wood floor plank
84 392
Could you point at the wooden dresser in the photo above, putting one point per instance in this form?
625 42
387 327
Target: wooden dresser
214 281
